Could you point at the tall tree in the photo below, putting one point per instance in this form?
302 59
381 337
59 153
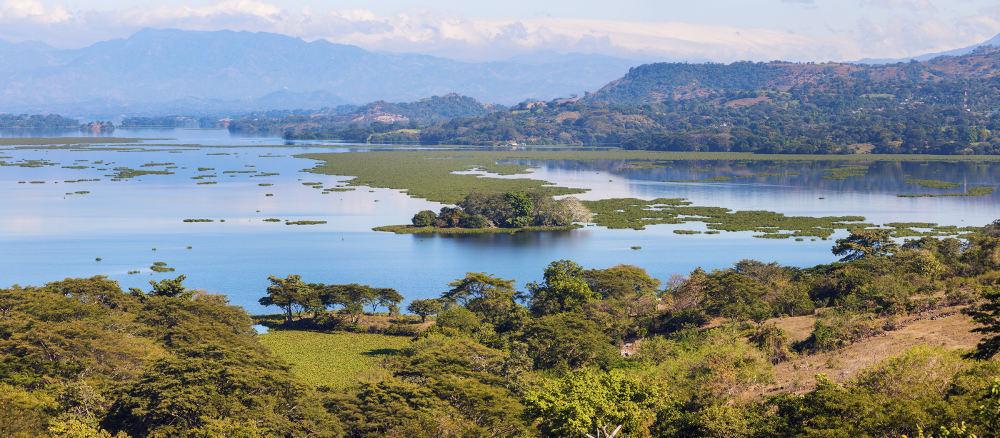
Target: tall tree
287 293
988 315
564 289
863 243
423 308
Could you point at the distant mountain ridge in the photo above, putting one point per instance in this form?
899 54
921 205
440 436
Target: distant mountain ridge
660 82
168 71
995 41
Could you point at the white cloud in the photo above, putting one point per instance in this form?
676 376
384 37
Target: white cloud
32 10
904 28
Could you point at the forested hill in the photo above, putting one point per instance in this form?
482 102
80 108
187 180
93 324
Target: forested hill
948 105
336 122
659 82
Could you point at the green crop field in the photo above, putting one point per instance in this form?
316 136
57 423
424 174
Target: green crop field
337 360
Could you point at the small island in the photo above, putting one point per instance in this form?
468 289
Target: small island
511 212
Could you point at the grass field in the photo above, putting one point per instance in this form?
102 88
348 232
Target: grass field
337 360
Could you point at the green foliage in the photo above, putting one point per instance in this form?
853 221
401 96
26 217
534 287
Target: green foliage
288 293
862 243
424 308
171 288
594 403
458 318
567 341
621 281
987 314
424 218
564 289
705 368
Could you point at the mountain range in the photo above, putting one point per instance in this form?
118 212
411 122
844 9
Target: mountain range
192 72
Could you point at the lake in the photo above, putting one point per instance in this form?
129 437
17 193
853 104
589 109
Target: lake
47 234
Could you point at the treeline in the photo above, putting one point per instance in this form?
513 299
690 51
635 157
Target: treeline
36 122
583 352
170 122
376 122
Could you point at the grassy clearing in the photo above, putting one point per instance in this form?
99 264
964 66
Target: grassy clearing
338 360
410 229
946 327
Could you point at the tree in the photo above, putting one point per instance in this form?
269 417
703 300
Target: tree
171 288
522 208
988 315
591 401
423 308
450 217
863 243
490 298
621 281
564 289
567 341
424 218
286 293
352 298
386 297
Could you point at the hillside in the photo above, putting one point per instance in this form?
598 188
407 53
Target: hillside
156 72
947 105
659 82
356 123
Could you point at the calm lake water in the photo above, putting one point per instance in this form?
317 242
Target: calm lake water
47 235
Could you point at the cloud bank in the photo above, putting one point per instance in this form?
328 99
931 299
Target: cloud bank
912 27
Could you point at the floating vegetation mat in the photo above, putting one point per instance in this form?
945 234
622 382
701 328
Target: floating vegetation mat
844 172
126 173
729 178
304 222
637 214
160 267
934 184
973 191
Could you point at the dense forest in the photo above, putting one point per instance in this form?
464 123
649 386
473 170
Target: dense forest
584 352
18 122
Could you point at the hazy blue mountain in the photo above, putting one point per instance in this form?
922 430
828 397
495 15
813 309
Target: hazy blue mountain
153 68
995 41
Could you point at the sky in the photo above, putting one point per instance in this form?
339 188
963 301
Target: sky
702 30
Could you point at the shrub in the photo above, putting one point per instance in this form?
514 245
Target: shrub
425 218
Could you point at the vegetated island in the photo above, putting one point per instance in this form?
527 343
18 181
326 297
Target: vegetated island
488 213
